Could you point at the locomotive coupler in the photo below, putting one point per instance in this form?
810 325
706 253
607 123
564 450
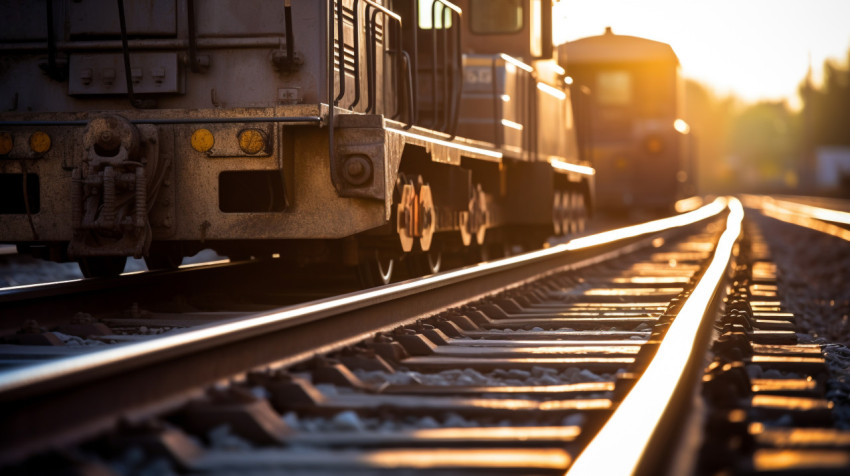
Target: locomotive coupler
110 191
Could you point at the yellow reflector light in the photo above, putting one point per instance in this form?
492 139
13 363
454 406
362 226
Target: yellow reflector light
39 142
5 143
202 140
252 141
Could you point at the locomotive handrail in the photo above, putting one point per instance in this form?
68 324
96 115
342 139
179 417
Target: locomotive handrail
411 96
445 123
371 50
498 108
371 13
341 47
356 100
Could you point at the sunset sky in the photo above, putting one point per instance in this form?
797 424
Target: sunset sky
757 49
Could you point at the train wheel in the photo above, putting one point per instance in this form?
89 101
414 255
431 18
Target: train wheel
580 213
567 212
375 270
425 263
164 258
102 266
494 251
558 213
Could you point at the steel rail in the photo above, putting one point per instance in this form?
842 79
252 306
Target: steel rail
815 218
636 428
80 396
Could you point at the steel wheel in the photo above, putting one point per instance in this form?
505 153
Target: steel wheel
580 213
425 263
375 270
102 266
164 258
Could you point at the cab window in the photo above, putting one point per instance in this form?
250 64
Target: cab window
434 10
614 88
495 16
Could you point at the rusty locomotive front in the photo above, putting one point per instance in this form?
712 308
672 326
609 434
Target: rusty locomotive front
362 132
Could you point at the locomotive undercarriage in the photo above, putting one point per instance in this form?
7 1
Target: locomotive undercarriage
140 187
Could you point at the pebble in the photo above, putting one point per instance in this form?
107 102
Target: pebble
222 438
347 421
74 341
499 377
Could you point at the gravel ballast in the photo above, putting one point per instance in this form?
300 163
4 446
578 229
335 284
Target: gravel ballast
813 271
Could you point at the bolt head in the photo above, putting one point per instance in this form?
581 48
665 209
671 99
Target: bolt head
357 169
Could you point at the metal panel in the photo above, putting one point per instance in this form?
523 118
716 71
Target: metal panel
23 20
104 74
223 18
143 17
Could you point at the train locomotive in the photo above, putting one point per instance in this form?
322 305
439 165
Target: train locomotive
629 123
362 132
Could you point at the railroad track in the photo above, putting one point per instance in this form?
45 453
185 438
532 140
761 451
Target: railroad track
765 391
40 322
533 364
503 323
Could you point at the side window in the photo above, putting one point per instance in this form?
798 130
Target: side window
496 16
434 12
614 88
536 28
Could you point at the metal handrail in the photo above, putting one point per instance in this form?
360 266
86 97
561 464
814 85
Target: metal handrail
371 50
372 10
451 70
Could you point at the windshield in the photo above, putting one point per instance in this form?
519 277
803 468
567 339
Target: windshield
495 16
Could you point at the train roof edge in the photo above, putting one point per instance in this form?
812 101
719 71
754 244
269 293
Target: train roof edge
610 47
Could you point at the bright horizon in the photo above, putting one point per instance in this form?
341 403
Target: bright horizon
754 49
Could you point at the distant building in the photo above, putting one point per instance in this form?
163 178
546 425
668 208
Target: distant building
832 170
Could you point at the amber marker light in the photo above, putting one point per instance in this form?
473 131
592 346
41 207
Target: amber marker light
5 143
252 141
202 140
630 427
39 142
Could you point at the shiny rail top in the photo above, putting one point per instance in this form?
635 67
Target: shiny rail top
119 358
819 219
629 430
